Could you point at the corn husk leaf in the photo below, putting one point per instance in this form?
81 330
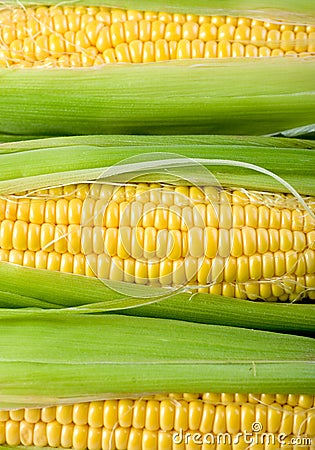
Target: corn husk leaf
247 96
39 163
69 358
22 287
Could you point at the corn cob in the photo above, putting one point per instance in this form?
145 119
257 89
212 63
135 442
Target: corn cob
62 36
232 243
236 243
166 422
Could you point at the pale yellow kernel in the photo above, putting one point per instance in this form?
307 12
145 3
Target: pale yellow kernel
287 42
286 425
4 256
145 30
157 30
197 48
268 267
79 264
258 34
211 242
184 49
191 18
195 410
80 413
135 50
17 415
196 241
261 416
204 267
39 434
310 424
208 32
148 52
174 247
224 246
173 31
26 433
167 415
48 414
161 50
19 235
152 418
247 416
251 51
218 20
37 211
181 416
95 414
238 50
233 418
207 420
275 218
134 15
230 269
190 31
80 434
118 15
165 272
53 434
112 215
242 33
255 267
277 52
122 53
249 240
110 414
264 52
311 42
32 415
226 31
66 264
217 269
64 414
85 20
16 257
203 19
66 435
53 261
224 49
286 240
262 240
103 41
242 274
236 242
6 234
12 432
274 240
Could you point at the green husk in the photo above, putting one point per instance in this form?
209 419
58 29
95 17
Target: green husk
39 163
268 9
71 358
247 96
59 293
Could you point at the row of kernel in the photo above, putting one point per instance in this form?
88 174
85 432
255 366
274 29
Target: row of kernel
167 415
272 291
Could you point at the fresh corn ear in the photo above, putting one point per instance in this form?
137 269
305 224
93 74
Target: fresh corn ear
78 36
189 234
164 422
226 242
